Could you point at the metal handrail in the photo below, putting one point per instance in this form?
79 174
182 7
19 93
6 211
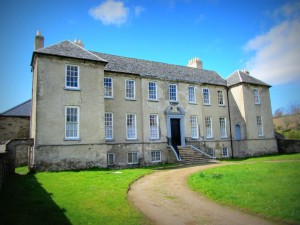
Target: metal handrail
174 148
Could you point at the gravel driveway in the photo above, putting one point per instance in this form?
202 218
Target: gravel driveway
165 198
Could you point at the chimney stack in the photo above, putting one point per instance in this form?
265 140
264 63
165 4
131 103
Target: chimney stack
195 63
38 41
79 43
245 71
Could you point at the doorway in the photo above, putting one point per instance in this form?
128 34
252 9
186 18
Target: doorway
175 131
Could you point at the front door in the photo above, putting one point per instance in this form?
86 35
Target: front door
175 131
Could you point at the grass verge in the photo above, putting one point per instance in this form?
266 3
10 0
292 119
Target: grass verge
267 188
83 197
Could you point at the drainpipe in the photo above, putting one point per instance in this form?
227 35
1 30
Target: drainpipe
230 130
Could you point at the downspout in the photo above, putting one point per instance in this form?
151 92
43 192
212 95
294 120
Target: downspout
230 130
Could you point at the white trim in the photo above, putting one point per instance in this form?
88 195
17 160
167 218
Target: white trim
256 96
78 123
260 126
208 92
225 155
134 96
112 87
78 77
221 91
176 89
135 127
112 125
157 122
194 93
225 130
156 97
155 151
211 127
197 127
137 158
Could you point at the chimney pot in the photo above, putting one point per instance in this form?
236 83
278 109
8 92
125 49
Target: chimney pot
195 63
38 41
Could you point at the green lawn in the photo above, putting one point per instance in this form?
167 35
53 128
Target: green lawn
84 197
271 188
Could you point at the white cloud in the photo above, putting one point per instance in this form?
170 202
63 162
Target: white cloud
277 52
110 12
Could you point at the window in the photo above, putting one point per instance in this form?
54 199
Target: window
192 96
194 126
154 131
220 98
256 96
108 126
108 87
223 132
155 156
238 132
130 89
131 126
173 92
111 159
72 77
208 126
152 91
206 97
72 122
260 126
225 152
132 158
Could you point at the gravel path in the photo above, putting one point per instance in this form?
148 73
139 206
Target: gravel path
165 198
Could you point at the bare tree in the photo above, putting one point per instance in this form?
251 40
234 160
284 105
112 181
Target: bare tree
294 109
279 112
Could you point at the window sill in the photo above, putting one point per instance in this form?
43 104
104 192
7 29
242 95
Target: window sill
154 139
72 139
222 105
130 99
109 140
71 89
153 100
107 97
135 163
133 139
193 103
206 104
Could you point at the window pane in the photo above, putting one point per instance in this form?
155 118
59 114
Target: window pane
154 126
208 127
223 127
194 126
206 98
192 97
220 98
172 92
71 122
130 89
108 87
152 90
72 74
131 126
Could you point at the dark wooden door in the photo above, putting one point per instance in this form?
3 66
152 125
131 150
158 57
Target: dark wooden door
175 131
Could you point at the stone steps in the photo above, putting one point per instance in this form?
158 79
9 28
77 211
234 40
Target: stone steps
189 156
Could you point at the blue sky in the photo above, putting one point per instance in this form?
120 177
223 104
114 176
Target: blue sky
261 36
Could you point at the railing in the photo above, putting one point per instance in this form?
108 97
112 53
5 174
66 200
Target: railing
201 147
174 147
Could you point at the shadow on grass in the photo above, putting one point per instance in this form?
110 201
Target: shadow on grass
24 201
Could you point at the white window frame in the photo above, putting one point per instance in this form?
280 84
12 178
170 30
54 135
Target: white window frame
206 96
113 158
192 94
71 87
220 98
155 156
107 87
109 127
68 123
153 128
208 127
130 89
223 131
151 92
225 150
260 127
132 135
132 159
194 127
256 96
171 93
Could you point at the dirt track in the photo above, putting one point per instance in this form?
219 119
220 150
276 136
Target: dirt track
165 198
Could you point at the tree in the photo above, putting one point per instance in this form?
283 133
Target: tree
294 109
279 112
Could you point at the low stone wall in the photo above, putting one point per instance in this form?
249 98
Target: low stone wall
255 147
74 157
14 127
288 146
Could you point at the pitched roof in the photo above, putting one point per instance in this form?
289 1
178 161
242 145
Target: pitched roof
69 49
22 110
146 68
241 77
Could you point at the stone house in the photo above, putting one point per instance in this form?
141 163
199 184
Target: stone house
91 109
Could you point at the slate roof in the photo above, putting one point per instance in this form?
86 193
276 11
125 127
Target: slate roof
241 77
22 110
69 49
160 70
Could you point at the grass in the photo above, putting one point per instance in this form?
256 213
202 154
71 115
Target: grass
270 189
83 197
275 157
